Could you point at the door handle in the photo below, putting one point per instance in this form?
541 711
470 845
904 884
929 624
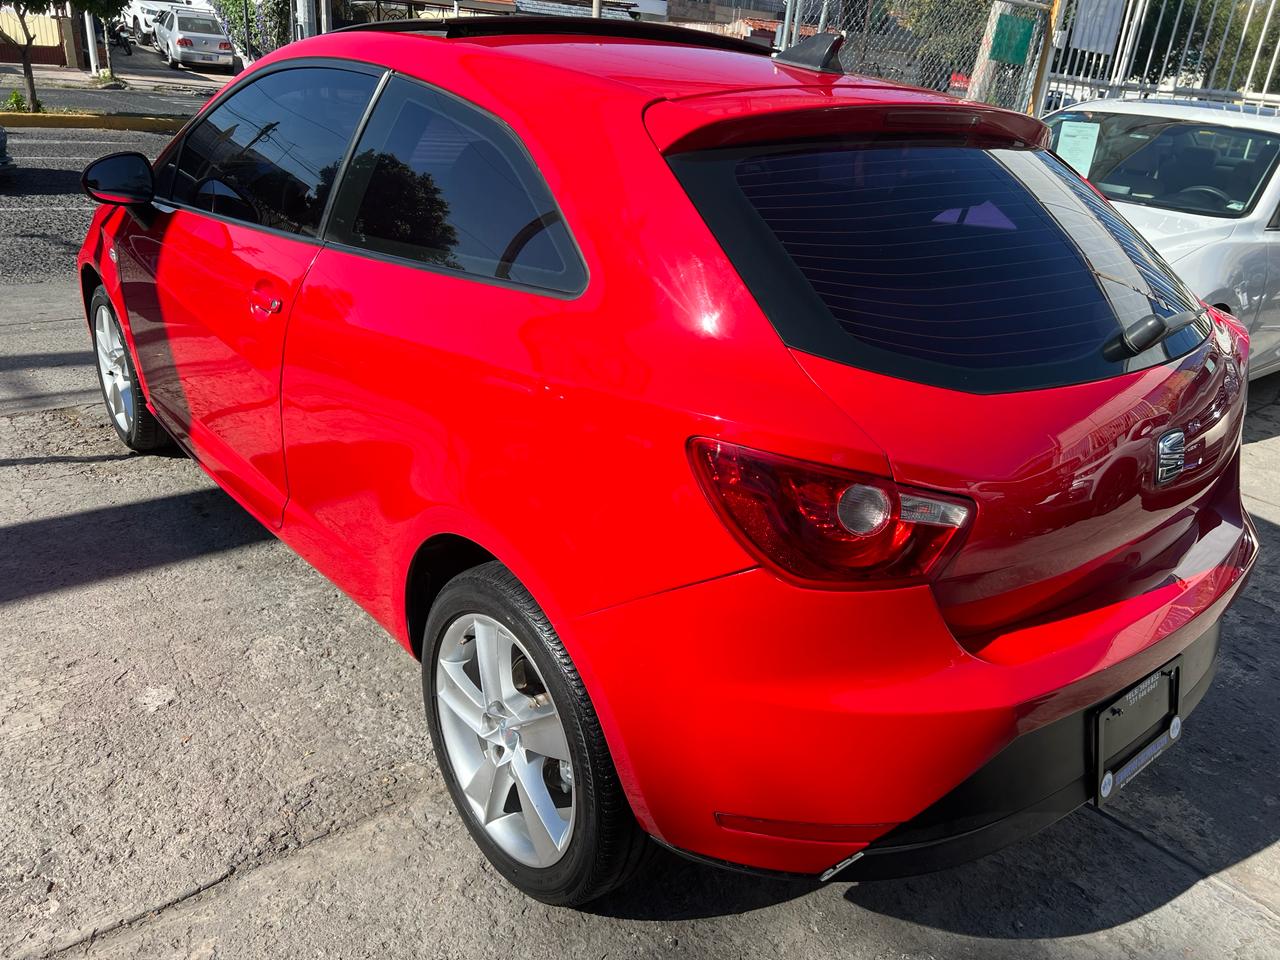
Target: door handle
265 302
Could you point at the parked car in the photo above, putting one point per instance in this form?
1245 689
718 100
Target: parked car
192 38
1198 181
815 477
140 16
6 162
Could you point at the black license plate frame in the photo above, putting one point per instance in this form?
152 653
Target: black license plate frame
1134 728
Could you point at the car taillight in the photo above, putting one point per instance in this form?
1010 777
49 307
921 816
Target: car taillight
828 527
224 45
183 42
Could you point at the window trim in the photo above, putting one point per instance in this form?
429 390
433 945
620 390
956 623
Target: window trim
174 150
340 185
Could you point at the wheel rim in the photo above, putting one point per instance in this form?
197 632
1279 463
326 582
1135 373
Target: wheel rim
117 385
505 741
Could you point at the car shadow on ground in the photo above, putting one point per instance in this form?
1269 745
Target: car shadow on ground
44 182
1263 421
77 549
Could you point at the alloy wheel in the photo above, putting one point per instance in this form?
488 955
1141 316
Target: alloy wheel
505 741
117 384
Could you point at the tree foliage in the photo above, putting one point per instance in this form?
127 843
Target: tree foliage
267 28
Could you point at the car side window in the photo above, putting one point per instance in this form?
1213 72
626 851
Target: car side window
269 153
440 182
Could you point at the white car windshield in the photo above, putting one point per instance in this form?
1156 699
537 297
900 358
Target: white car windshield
1174 164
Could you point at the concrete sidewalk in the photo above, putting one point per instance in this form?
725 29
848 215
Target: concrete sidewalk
142 71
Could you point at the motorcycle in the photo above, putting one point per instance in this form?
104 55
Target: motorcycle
119 36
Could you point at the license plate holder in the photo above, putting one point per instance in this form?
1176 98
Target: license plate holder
1134 728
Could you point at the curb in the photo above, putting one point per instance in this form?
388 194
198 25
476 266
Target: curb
100 121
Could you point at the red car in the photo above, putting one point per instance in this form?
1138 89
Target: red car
810 473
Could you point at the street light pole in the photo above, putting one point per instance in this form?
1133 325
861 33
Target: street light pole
91 43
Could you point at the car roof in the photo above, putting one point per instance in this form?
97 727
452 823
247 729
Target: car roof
1245 116
662 68
529 66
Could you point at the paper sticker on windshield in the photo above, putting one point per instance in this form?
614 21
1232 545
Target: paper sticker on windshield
1077 141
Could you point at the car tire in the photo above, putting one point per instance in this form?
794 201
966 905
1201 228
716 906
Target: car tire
602 845
127 410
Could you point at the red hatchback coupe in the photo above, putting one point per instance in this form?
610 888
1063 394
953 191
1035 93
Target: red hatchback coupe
809 473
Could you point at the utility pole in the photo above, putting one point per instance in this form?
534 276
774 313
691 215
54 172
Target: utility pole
595 9
91 43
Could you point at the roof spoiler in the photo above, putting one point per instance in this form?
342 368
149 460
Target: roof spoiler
779 116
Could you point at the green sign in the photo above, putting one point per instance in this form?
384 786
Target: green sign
1012 39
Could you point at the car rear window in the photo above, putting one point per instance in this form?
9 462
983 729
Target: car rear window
198 25
981 269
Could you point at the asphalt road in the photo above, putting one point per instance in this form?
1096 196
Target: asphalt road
206 751
43 214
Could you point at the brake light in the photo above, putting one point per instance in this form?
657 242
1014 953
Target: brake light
183 42
224 45
827 527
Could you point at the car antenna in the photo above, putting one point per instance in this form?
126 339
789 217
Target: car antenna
818 52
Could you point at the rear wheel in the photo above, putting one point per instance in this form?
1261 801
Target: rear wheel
127 410
520 745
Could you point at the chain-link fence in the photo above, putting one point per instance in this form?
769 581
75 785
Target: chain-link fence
980 49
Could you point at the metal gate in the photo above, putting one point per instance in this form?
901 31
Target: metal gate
1222 50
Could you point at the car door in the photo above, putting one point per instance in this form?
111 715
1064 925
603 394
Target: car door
161 29
210 275
412 334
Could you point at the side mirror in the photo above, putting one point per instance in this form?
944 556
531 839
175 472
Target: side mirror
124 179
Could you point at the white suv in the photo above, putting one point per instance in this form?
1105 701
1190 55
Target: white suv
140 16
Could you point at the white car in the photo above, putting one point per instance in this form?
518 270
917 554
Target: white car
1198 181
192 37
140 15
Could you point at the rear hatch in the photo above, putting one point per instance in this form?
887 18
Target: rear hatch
954 295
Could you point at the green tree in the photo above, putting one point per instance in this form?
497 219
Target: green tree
267 27
22 9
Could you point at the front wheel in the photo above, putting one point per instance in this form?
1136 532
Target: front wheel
520 745
118 377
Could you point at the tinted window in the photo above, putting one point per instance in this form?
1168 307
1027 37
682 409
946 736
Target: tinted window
270 152
982 270
439 182
198 25
1157 162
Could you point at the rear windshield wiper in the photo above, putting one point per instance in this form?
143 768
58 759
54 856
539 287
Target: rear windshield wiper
1146 333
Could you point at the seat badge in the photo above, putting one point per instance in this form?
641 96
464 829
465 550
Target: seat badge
1170 456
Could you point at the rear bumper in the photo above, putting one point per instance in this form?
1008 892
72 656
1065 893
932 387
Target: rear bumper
198 59
851 723
1035 781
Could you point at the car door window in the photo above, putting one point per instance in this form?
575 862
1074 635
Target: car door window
439 182
269 153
